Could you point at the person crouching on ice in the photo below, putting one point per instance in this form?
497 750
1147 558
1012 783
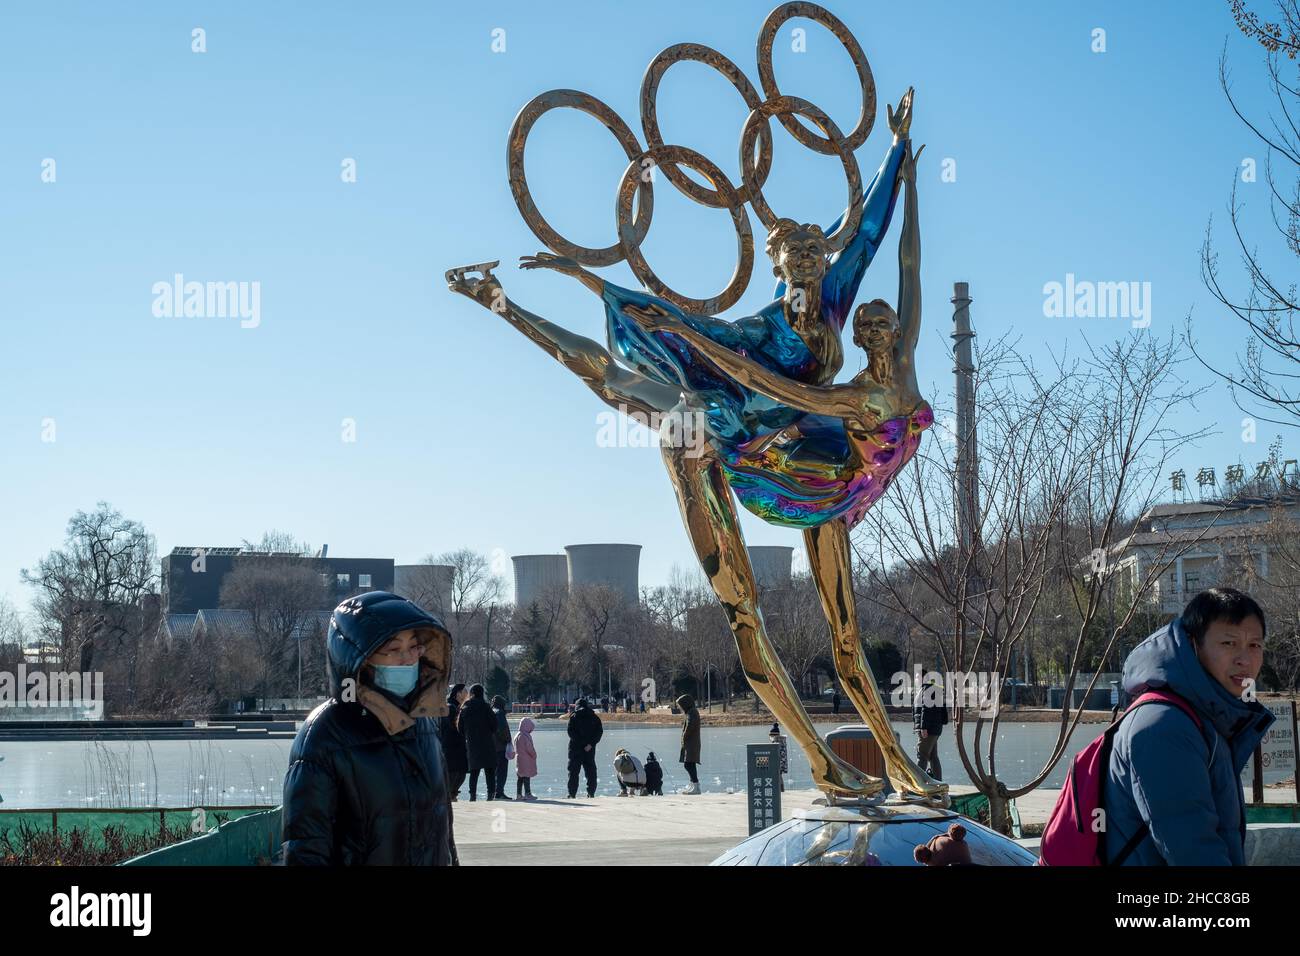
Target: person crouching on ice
631 774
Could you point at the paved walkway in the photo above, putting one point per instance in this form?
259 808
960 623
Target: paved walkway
629 831
639 831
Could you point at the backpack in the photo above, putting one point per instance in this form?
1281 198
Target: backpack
624 764
1069 838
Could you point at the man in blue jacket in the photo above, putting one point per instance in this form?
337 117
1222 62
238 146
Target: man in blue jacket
1173 794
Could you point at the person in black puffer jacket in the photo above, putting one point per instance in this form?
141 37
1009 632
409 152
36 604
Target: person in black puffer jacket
478 725
585 731
929 714
453 744
366 783
502 743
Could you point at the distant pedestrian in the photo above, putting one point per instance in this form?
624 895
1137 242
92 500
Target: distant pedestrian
525 759
501 741
929 714
478 725
1173 792
654 776
835 702
630 772
585 731
453 744
690 754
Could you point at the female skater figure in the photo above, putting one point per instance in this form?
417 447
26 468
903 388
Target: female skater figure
882 415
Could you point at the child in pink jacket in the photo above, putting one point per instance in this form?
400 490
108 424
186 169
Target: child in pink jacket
525 760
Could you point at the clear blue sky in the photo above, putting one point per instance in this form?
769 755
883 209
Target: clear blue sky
226 165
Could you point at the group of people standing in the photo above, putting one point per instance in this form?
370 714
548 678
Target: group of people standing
476 739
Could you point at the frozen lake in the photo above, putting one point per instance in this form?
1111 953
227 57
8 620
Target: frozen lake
188 773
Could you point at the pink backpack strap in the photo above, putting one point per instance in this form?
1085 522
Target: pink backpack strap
1166 696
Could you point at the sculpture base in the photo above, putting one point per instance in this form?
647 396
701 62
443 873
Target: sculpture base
872 832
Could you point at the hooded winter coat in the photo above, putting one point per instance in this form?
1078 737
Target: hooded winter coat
502 738
453 744
525 752
366 783
584 728
690 729
654 774
478 725
1181 783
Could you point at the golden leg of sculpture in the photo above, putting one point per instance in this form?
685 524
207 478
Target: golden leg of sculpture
710 519
830 558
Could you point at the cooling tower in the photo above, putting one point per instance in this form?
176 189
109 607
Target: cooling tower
771 565
535 574
427 585
614 565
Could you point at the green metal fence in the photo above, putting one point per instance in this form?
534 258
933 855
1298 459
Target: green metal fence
250 840
131 821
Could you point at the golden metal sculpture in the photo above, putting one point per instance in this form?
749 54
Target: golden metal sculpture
885 391
762 446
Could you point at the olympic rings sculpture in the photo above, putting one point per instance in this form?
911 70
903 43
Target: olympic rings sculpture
755 157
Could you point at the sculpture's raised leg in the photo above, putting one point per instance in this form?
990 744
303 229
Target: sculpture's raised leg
829 555
710 519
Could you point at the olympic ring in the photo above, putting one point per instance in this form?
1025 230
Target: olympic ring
650 115
755 156
767 76
788 106
662 155
519 131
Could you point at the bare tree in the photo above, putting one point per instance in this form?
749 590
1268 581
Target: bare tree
278 542
468 607
1069 460
13 635
797 624
1265 377
667 607
594 616
86 589
1272 575
284 600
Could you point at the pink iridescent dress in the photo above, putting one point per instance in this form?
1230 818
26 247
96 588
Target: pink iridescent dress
785 487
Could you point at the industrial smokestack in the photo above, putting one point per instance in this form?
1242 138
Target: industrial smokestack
968 495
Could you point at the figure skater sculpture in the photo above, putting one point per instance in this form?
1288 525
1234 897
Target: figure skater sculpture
795 449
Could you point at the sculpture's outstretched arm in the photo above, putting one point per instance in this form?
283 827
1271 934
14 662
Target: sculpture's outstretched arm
909 260
614 385
839 401
848 266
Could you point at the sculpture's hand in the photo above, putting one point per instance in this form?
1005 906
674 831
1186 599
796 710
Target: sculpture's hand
907 170
546 260
653 317
901 122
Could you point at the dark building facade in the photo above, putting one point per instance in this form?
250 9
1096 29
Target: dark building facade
192 577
